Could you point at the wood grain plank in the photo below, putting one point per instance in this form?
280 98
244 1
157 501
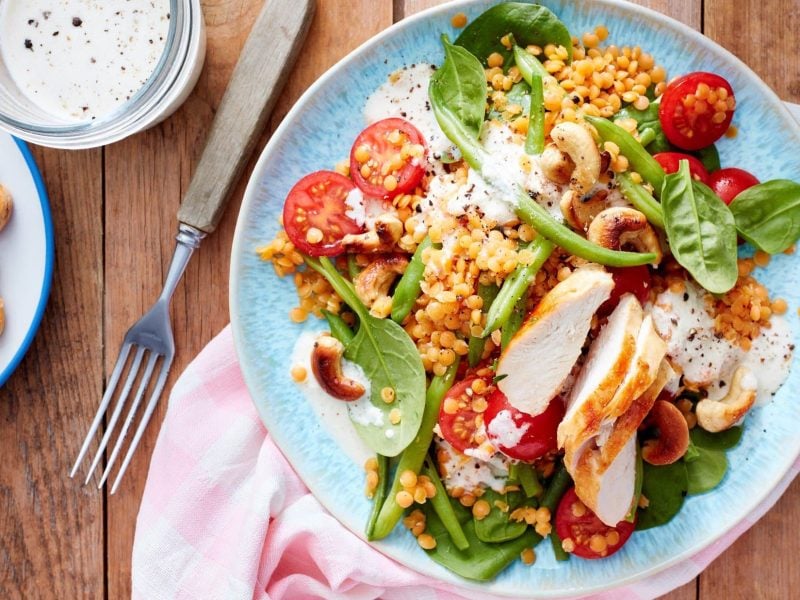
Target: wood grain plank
52 528
761 564
146 177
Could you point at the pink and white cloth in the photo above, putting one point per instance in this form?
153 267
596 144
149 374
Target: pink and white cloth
225 517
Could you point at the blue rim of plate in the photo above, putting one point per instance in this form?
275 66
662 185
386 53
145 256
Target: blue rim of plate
49 236
772 102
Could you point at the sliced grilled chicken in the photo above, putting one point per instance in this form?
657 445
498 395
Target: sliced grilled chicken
557 330
608 491
607 364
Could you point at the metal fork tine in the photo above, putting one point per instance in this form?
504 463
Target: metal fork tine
148 373
151 405
123 397
109 393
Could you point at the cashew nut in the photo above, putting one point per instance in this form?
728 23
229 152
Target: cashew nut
621 226
326 364
556 165
6 205
673 434
376 279
718 415
387 232
580 211
578 143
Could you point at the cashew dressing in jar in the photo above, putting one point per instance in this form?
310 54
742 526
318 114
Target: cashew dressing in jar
80 60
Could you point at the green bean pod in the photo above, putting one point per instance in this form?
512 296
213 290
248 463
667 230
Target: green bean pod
407 290
559 485
641 199
529 480
414 455
534 141
441 504
561 554
380 495
640 159
487 293
338 327
515 320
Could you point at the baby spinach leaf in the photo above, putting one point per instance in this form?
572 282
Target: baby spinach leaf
701 230
724 440
497 526
709 156
482 560
768 214
706 470
388 358
528 23
665 488
519 94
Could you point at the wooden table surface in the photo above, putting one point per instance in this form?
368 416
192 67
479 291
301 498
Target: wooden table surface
114 213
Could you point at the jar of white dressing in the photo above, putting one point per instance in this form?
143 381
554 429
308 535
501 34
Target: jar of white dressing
84 73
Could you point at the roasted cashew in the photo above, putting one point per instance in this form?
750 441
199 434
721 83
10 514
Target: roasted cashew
382 238
621 226
6 205
556 165
326 364
579 211
577 142
376 279
718 415
673 434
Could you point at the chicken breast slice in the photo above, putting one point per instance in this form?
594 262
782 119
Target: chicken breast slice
541 355
606 365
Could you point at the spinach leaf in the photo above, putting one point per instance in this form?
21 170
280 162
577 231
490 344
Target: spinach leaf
520 93
709 156
701 230
768 214
649 126
457 93
481 561
665 488
497 526
528 23
388 358
706 470
724 440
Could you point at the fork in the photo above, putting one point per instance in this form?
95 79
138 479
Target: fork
270 50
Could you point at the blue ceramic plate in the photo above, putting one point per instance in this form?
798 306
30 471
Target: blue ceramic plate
27 252
317 133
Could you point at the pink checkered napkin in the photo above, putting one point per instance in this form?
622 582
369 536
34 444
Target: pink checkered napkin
225 517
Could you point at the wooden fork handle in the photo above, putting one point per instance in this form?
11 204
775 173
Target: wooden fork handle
269 52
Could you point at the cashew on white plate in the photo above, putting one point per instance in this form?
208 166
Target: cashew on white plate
718 415
621 226
326 364
578 144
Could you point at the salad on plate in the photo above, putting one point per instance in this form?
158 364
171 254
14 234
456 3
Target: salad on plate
541 315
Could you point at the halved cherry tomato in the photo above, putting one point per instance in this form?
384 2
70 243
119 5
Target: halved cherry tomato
461 410
314 214
591 537
696 110
627 280
729 183
387 158
670 161
518 434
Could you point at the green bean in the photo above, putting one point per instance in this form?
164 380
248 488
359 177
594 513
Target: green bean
529 66
558 549
537 217
647 136
380 495
515 285
441 504
534 141
407 290
529 480
641 199
487 293
640 159
414 455
338 327
515 320
557 488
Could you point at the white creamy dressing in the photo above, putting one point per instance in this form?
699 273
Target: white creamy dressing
82 59
332 412
470 472
364 210
708 360
505 431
